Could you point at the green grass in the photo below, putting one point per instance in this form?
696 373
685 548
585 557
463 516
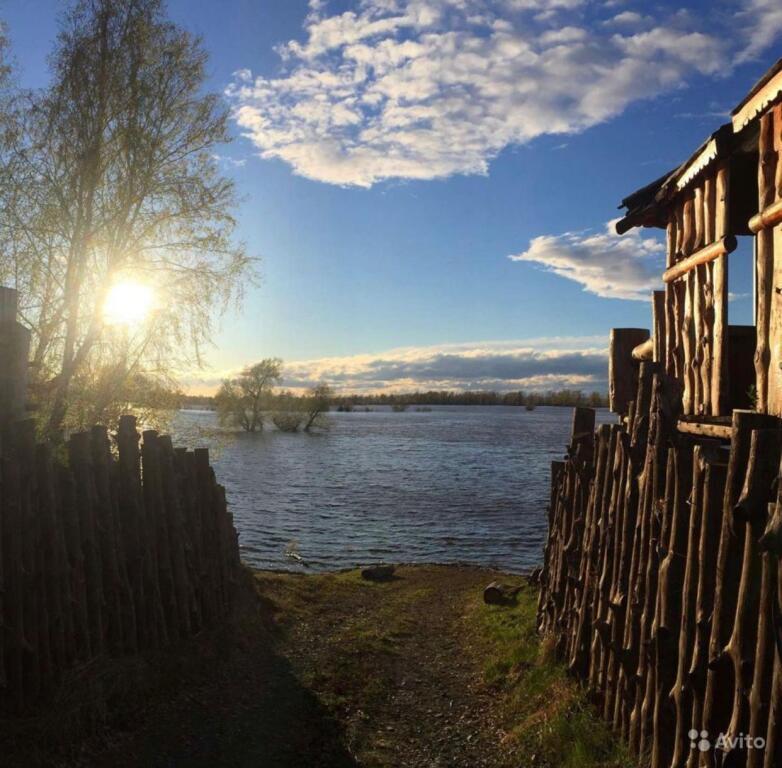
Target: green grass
357 667
546 712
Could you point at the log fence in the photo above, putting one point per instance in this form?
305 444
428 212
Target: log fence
105 555
123 546
661 582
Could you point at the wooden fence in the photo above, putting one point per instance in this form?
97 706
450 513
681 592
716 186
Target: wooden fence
661 582
106 553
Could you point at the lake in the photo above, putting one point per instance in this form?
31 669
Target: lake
457 484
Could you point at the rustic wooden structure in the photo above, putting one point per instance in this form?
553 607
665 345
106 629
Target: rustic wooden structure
105 554
661 581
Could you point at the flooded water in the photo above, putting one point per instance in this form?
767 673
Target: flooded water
455 484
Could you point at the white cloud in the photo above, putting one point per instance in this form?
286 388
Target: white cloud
423 89
531 364
606 264
760 22
628 19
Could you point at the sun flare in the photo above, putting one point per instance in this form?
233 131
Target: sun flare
128 303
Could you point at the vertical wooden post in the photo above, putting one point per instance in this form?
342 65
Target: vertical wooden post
13 583
622 369
690 391
773 239
80 461
658 326
23 446
715 462
765 257
720 374
131 523
177 535
681 692
671 340
671 580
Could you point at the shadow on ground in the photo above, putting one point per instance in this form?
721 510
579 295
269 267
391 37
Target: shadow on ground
230 699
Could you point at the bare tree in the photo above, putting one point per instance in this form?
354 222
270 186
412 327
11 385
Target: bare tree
241 401
112 177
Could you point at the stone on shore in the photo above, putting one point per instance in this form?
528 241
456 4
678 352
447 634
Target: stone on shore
378 572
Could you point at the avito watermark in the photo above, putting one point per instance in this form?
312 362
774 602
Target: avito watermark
700 740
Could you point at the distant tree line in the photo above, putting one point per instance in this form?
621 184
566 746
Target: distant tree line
563 397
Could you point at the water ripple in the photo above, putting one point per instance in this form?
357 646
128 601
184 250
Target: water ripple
455 484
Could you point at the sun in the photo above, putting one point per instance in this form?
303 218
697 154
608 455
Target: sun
128 303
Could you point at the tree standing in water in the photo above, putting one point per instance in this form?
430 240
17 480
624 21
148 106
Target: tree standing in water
241 401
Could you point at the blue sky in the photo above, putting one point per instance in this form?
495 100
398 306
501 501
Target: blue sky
393 155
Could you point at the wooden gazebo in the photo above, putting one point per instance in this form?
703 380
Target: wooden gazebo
730 187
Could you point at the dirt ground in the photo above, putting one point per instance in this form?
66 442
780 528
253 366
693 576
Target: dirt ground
331 670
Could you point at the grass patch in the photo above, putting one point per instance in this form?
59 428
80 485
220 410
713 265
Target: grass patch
545 712
357 658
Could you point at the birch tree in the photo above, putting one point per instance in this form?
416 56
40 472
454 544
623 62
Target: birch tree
112 176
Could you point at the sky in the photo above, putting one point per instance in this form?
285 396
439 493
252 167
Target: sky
430 185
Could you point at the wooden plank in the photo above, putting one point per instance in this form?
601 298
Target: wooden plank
707 155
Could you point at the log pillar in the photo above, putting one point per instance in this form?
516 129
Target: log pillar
622 369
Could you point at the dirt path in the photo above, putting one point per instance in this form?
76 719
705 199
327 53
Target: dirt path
396 664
